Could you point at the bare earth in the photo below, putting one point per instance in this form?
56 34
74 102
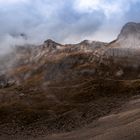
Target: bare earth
123 124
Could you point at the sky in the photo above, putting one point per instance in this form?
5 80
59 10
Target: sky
65 21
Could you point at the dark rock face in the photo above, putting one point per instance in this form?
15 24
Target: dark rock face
3 81
50 44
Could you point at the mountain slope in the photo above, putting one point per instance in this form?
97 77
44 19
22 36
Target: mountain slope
54 88
121 125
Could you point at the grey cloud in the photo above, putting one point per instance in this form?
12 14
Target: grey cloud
54 21
58 20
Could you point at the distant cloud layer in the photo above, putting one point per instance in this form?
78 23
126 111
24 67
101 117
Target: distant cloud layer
66 21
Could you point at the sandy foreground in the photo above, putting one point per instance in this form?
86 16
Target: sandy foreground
120 125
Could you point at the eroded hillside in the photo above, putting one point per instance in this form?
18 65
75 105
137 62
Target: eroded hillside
53 88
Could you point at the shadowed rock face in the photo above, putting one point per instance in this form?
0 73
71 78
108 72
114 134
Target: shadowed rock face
50 44
65 87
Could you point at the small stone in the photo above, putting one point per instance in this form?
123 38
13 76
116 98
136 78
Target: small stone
21 94
119 73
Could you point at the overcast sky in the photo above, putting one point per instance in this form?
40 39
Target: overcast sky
65 21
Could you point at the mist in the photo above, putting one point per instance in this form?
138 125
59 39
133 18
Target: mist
67 22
